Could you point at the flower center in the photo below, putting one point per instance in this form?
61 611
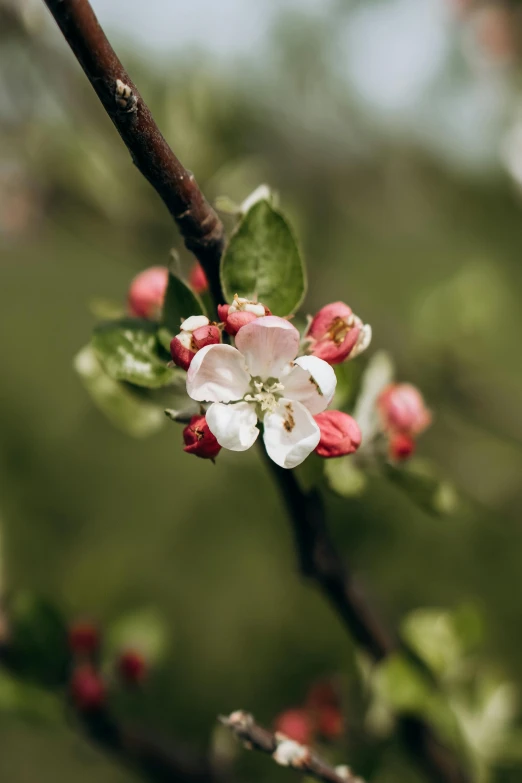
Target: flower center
266 394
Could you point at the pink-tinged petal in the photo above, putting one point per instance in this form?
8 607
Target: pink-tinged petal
312 382
290 433
217 373
234 425
268 344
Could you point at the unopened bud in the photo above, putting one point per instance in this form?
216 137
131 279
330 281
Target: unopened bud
198 279
402 409
147 292
132 667
236 320
401 446
296 724
84 638
336 334
330 723
241 312
340 434
87 689
199 440
196 332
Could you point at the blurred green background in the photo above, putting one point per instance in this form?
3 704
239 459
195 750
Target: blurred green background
392 131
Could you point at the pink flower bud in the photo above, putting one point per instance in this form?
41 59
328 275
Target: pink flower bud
198 279
132 667
87 689
236 320
340 434
223 311
296 724
337 334
84 638
402 409
402 446
196 332
330 722
199 440
147 292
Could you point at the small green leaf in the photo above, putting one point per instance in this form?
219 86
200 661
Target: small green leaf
28 702
38 644
128 351
262 261
423 487
180 302
132 415
344 477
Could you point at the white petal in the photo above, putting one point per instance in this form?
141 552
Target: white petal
234 425
268 344
291 433
312 382
194 322
363 341
217 373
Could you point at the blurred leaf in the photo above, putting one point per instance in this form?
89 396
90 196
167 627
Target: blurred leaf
128 351
344 477
262 261
38 641
136 417
26 701
144 631
378 374
180 302
432 634
349 378
106 309
417 480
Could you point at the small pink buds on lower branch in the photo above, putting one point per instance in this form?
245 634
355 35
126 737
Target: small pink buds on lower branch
147 292
198 279
196 332
131 667
239 313
340 434
84 639
402 446
296 724
402 409
199 440
336 334
87 689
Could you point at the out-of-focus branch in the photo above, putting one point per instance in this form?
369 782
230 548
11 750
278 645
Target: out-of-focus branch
201 228
285 751
204 235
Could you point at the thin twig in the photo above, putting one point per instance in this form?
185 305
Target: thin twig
204 235
201 228
285 751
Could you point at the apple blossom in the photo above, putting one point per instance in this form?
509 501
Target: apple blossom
199 440
196 332
147 292
402 409
340 434
336 334
262 380
198 279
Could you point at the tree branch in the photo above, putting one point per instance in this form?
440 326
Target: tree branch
204 236
200 227
285 751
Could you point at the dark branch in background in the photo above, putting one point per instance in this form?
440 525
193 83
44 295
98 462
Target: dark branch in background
201 228
284 751
204 236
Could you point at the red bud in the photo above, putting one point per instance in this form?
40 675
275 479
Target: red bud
147 292
206 335
196 332
198 279
87 688
199 440
84 638
132 667
236 320
181 356
223 311
402 446
340 434
296 724
329 722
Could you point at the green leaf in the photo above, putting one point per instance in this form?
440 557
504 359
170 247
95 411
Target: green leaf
262 261
128 351
28 702
344 477
38 643
180 302
134 416
423 487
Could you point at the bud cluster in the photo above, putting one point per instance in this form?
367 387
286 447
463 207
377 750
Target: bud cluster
404 416
319 716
